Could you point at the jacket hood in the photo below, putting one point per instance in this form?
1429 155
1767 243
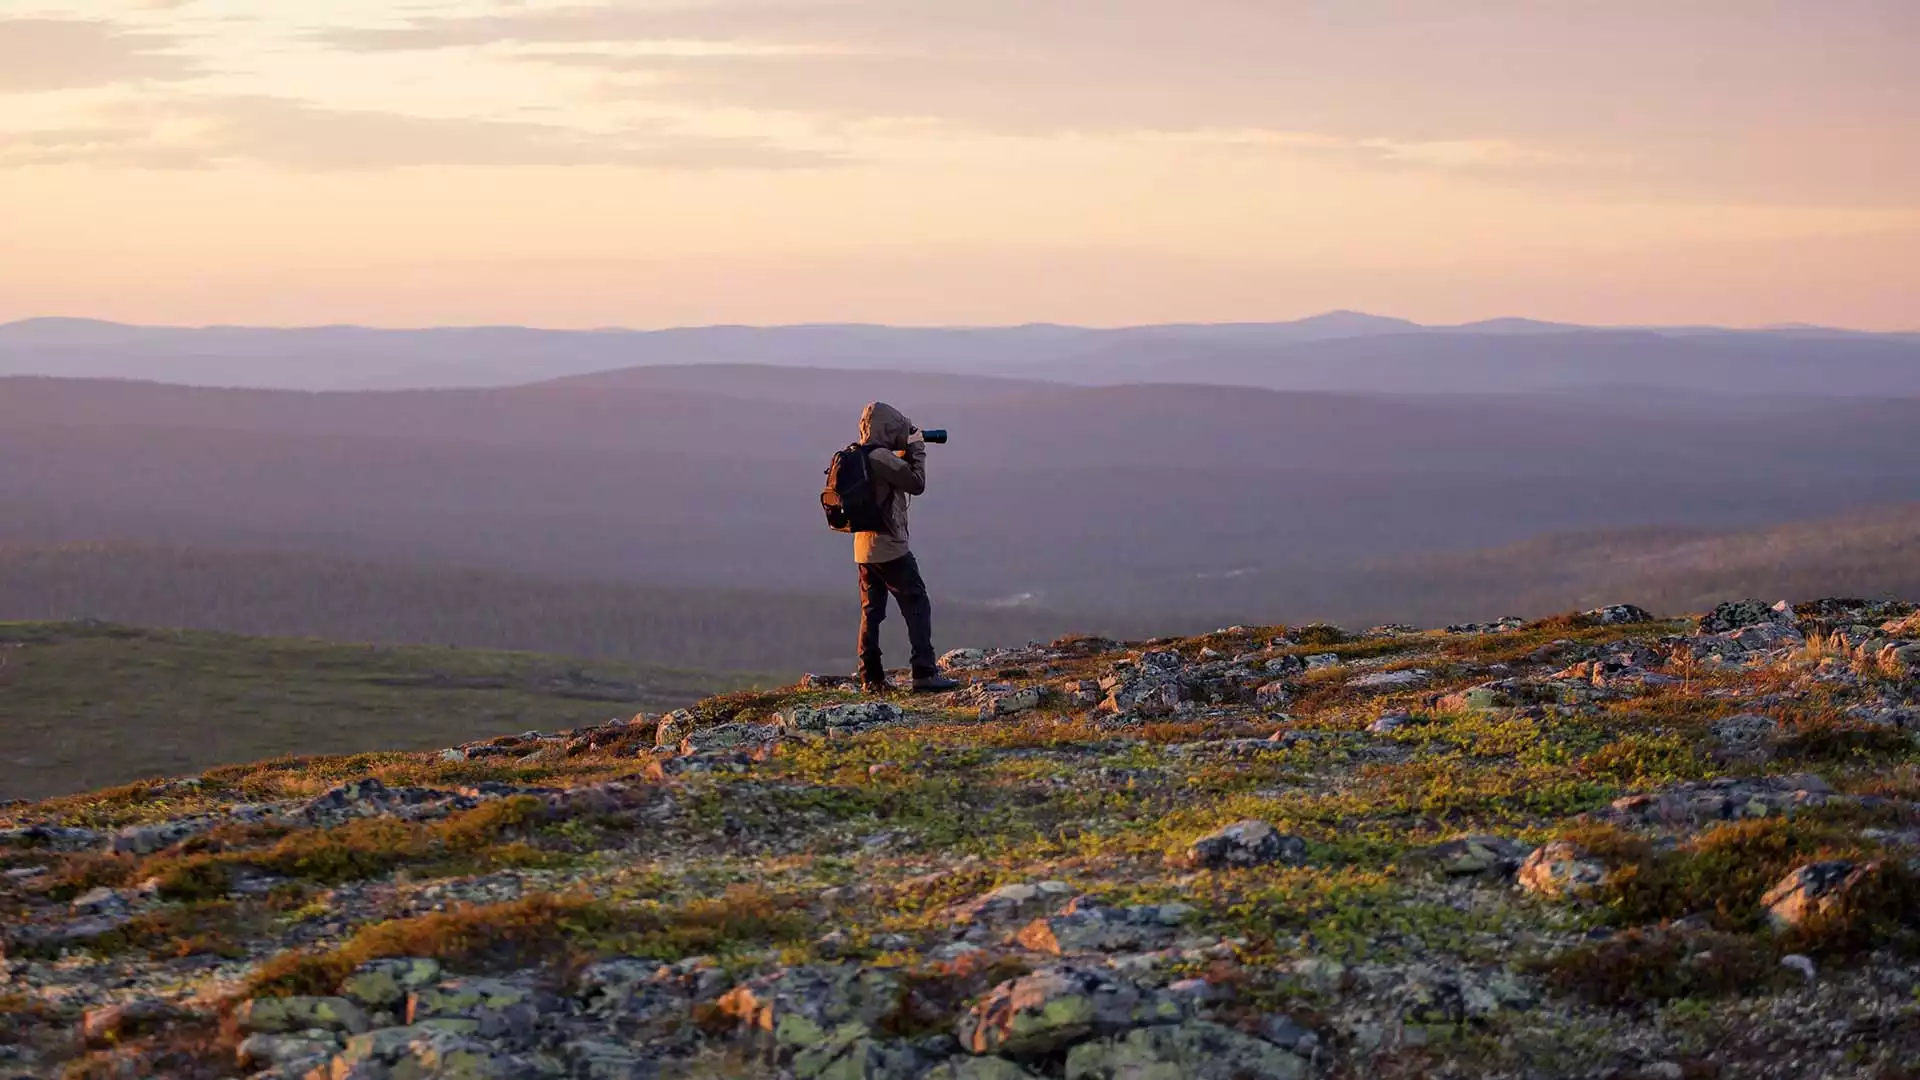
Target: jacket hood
883 425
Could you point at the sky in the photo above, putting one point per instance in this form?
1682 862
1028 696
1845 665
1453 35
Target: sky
672 162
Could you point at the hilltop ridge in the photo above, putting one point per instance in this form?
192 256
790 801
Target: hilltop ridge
1598 845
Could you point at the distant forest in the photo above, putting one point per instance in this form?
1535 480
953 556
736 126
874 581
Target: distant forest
781 634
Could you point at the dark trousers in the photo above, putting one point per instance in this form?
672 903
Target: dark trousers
901 577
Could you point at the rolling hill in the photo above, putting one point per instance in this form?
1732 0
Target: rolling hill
89 704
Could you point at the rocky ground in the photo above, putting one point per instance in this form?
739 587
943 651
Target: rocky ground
1596 846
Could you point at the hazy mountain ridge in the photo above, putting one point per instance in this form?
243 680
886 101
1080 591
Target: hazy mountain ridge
1303 354
1087 497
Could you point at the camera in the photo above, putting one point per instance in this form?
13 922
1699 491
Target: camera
934 435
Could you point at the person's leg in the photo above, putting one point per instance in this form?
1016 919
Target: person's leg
916 607
873 612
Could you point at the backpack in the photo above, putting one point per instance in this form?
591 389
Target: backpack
848 499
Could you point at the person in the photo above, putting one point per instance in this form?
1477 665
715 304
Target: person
898 466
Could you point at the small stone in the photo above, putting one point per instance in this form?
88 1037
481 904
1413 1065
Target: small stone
1561 870
113 1023
963 660
1283 1031
1391 680
1480 854
1390 722
1800 964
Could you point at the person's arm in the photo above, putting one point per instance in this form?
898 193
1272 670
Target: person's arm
906 473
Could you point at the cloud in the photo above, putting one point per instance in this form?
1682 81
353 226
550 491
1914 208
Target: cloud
206 132
65 54
1772 102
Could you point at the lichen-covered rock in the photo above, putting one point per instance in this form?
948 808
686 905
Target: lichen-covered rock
1054 1008
848 1055
1479 855
1389 722
674 727
292 1053
1146 691
1010 903
51 838
1745 731
147 839
1086 926
803 1009
130 1019
485 1008
1010 702
385 984
279 1016
1618 615
422 1053
1726 799
1404 679
978 1068
855 716
1456 998
1241 844
1273 695
963 660
1816 890
1196 1050
728 737
1561 870
1740 614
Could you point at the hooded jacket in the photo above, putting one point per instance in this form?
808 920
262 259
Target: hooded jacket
899 472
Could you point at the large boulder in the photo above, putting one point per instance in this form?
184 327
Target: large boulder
1192 1051
815 1011
1816 890
1241 844
422 1053
1740 614
978 1068
285 1015
1086 926
485 1008
385 984
1051 1009
1010 903
1617 615
853 716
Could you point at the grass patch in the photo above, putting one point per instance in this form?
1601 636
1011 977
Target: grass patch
544 929
95 706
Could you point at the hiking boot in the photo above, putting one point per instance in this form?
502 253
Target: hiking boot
933 684
872 684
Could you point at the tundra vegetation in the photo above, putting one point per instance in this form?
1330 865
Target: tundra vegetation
1597 845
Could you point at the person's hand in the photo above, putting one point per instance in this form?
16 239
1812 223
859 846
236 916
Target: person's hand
916 438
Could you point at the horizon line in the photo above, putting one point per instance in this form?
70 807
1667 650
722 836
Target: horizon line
1406 325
